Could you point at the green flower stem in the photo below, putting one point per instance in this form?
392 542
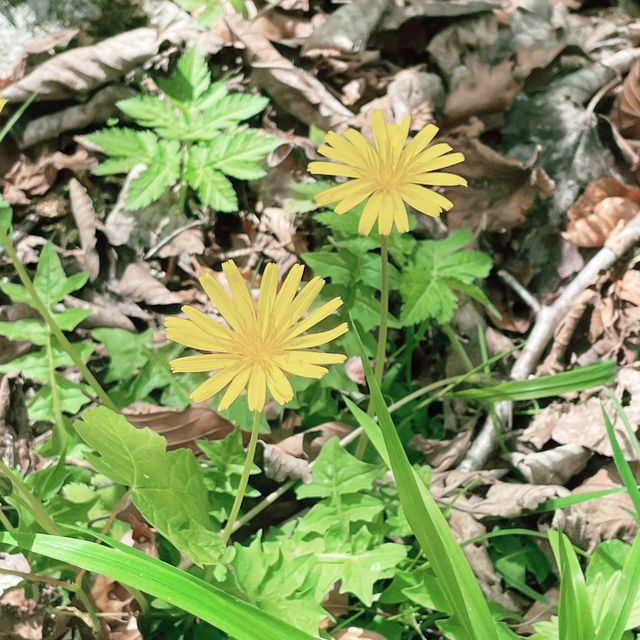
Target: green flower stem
59 437
382 332
244 478
457 346
53 325
35 506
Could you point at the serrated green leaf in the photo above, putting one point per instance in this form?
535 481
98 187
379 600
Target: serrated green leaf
128 350
237 153
163 169
352 508
213 188
128 146
190 79
37 331
73 396
227 111
79 493
153 112
425 298
167 487
336 472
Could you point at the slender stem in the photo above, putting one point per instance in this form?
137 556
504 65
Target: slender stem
59 437
37 509
53 325
382 333
244 478
5 522
89 607
457 346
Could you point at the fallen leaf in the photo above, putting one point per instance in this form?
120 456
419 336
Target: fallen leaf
628 287
309 443
552 466
104 313
442 454
358 633
279 465
137 283
625 113
87 222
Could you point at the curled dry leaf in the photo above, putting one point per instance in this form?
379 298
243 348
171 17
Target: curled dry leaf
110 597
626 111
82 69
104 313
442 454
309 443
553 466
87 222
181 427
13 562
138 283
280 465
628 287
596 213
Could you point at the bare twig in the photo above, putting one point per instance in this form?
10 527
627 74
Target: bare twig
546 322
524 293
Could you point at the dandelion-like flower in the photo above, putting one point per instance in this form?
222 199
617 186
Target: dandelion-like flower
389 173
260 343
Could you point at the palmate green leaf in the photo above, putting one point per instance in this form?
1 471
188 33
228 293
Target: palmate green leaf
37 331
128 350
229 613
229 110
163 169
591 375
153 112
190 79
167 486
237 153
127 146
428 524
35 365
352 507
212 186
336 471
426 285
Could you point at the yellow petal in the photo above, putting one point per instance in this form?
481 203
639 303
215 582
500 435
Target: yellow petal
440 163
240 292
211 386
203 362
257 388
370 214
286 294
314 357
386 214
221 300
220 335
361 189
234 389
279 385
340 191
425 200
420 141
429 154
185 332
267 294
398 135
341 149
400 217
304 299
380 131
2 103
334 169
367 153
313 318
316 339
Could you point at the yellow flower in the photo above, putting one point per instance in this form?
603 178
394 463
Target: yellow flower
389 174
260 342
2 103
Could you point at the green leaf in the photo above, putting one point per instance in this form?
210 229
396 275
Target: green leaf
438 267
73 396
227 111
237 153
190 79
128 350
213 188
336 472
128 146
351 508
153 112
50 281
233 615
167 486
163 169
6 217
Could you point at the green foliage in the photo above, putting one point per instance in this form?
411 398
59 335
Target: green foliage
191 135
42 364
167 487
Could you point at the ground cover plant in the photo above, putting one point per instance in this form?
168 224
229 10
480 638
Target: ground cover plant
292 343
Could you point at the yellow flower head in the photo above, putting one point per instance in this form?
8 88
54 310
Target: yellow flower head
261 342
389 173
2 103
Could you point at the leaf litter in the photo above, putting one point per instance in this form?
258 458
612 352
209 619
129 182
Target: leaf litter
527 91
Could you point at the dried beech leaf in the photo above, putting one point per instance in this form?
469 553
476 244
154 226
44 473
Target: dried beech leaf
626 111
87 221
553 466
189 241
106 314
137 283
82 69
181 427
628 288
442 454
358 633
310 442
280 465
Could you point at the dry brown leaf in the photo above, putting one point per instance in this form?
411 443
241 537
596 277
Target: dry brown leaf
553 466
22 618
309 443
501 189
588 523
188 241
598 211
582 424
181 427
280 465
626 111
358 633
105 314
82 69
87 222
355 370
26 179
137 283
13 562
628 288
111 597
296 90
442 454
